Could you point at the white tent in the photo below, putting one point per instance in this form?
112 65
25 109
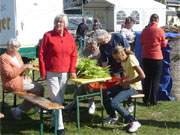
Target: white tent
112 13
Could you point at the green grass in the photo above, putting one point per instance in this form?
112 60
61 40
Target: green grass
163 119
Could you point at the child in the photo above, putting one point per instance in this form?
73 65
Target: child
127 31
91 51
127 87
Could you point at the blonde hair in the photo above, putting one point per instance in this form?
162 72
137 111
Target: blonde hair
119 49
63 17
12 43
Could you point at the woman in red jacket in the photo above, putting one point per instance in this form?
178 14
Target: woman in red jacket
152 40
57 58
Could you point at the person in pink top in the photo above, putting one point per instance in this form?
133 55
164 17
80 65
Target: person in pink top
152 41
13 79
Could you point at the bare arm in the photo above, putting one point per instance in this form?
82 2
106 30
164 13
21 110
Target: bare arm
140 76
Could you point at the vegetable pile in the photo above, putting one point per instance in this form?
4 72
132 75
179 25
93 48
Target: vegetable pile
88 69
35 64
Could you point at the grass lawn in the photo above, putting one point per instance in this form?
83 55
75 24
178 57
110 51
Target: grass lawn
163 119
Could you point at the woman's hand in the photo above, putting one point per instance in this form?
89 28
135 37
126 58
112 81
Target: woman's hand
27 79
28 66
125 83
73 75
43 77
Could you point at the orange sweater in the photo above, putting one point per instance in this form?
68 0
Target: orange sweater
152 40
10 73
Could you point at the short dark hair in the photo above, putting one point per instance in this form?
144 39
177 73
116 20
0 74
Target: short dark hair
154 18
129 20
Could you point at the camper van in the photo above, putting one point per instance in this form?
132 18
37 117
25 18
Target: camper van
27 21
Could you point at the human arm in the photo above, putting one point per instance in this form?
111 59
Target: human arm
103 58
11 71
123 32
73 58
140 77
134 64
163 40
77 31
42 49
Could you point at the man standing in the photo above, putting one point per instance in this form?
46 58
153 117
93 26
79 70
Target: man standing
81 32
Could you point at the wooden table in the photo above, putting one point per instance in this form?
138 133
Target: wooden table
78 82
43 103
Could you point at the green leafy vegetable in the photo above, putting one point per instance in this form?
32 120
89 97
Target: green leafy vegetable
28 73
35 64
88 69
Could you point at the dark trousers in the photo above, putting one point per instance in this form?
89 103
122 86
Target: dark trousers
153 70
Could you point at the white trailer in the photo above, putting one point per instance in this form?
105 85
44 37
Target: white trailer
27 21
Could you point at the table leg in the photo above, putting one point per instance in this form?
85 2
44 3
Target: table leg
78 113
33 75
135 108
41 122
102 108
55 121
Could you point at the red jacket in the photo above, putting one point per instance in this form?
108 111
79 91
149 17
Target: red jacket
57 54
152 40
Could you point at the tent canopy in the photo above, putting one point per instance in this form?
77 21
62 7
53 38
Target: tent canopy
125 4
136 3
112 13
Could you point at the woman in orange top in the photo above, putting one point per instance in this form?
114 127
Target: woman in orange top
152 40
12 69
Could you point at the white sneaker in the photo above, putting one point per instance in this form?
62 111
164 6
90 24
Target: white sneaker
131 108
134 126
92 108
16 112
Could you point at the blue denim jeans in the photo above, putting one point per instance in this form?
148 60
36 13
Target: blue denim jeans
113 101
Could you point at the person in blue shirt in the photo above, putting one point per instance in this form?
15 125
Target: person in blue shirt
107 43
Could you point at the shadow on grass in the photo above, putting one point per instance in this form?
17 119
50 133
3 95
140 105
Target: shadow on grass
29 121
161 124
90 121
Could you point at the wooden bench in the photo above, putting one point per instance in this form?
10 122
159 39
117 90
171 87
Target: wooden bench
134 97
44 104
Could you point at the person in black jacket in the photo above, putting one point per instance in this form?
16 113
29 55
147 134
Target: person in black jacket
81 32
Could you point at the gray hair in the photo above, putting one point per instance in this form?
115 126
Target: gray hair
12 43
99 34
91 40
63 17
